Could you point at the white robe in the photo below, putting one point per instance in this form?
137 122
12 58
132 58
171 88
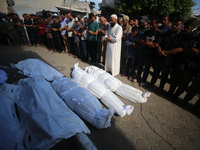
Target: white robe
113 49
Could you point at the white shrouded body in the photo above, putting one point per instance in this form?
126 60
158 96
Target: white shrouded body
81 101
101 91
115 85
43 113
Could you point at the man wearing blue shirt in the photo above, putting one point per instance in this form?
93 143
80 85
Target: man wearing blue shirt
93 28
64 24
132 53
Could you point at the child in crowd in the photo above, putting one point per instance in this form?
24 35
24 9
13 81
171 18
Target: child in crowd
50 43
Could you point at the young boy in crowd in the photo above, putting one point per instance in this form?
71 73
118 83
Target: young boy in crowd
132 53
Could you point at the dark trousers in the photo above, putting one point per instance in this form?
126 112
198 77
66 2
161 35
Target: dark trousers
92 47
77 49
181 79
50 43
130 67
22 37
4 38
14 36
194 89
143 62
32 38
58 44
84 50
37 34
42 39
71 44
164 69
123 58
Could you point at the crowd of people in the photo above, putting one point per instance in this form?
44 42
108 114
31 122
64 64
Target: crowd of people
126 45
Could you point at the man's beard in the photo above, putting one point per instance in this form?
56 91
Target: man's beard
124 25
112 24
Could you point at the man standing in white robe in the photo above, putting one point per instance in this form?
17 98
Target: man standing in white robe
113 49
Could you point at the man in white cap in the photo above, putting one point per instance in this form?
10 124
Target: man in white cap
113 49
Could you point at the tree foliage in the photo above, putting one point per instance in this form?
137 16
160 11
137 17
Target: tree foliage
100 6
174 8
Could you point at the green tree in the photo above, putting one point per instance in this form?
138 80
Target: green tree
174 8
100 6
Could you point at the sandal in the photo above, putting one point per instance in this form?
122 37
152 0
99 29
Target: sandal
123 75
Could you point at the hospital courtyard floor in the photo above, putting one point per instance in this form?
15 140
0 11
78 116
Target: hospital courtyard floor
157 124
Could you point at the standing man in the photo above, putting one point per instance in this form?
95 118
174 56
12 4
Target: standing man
93 29
12 32
4 31
126 30
64 22
165 25
150 41
77 35
102 43
144 25
70 29
113 49
20 30
29 27
164 64
57 35
133 22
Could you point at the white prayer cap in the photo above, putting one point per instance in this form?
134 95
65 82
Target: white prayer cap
114 16
55 14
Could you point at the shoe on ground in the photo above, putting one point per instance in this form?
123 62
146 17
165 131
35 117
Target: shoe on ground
134 80
142 84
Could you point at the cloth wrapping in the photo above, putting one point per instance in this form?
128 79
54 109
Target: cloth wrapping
3 77
81 101
46 117
126 91
36 67
12 132
101 91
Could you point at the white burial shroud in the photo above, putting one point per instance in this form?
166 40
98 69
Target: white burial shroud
108 98
45 115
36 67
81 101
126 91
11 130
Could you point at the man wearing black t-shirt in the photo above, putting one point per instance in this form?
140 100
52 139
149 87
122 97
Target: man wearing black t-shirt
150 42
57 35
29 27
186 64
172 40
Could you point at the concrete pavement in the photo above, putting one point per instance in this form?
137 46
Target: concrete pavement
157 124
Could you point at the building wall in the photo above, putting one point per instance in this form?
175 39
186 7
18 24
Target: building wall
3 5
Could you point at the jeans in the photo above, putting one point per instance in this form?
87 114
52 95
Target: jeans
84 50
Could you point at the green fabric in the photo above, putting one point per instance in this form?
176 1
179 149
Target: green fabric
93 27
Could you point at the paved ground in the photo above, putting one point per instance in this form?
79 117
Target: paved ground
157 124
